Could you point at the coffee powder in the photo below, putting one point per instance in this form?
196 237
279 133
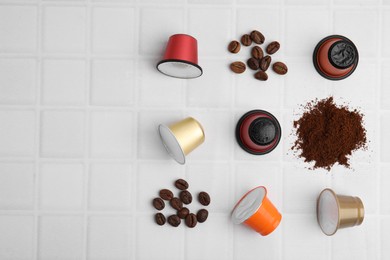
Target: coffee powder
328 134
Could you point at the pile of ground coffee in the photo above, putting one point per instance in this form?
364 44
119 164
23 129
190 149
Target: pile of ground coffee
328 133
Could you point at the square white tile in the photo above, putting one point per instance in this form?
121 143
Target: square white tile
171 21
385 32
19 28
110 186
302 238
158 90
16 237
62 133
17 185
111 134
301 42
17 134
64 82
208 90
218 185
64 29
18 81
61 237
110 237
112 31
113 82
61 186
299 198
219 29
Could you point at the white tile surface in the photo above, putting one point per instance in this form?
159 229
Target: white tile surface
19 28
81 100
18 81
16 237
61 237
64 82
64 29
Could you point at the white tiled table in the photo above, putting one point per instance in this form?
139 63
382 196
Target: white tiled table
80 100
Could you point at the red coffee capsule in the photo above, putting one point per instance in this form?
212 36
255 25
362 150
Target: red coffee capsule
335 57
258 132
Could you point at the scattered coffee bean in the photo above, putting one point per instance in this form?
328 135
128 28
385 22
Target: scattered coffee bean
166 194
204 198
158 204
160 219
174 220
202 215
280 68
246 40
185 197
257 52
191 220
273 47
261 75
257 37
234 47
183 213
265 62
181 184
253 63
176 203
238 67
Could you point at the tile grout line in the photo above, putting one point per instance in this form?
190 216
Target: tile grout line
87 56
39 74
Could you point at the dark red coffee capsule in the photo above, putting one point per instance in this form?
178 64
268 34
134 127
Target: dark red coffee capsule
335 57
258 132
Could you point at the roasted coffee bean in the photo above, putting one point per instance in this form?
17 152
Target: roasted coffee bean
181 184
191 220
234 47
160 219
280 68
185 197
174 220
176 203
166 194
204 198
257 52
265 62
253 63
273 47
158 203
257 37
202 215
246 40
183 213
238 67
261 75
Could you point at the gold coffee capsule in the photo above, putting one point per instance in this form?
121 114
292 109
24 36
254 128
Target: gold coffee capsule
181 138
338 211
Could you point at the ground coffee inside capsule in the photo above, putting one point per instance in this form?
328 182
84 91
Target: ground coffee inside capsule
328 133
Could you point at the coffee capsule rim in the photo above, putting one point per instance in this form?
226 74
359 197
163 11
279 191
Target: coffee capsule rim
168 61
315 61
338 211
180 160
256 204
238 132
